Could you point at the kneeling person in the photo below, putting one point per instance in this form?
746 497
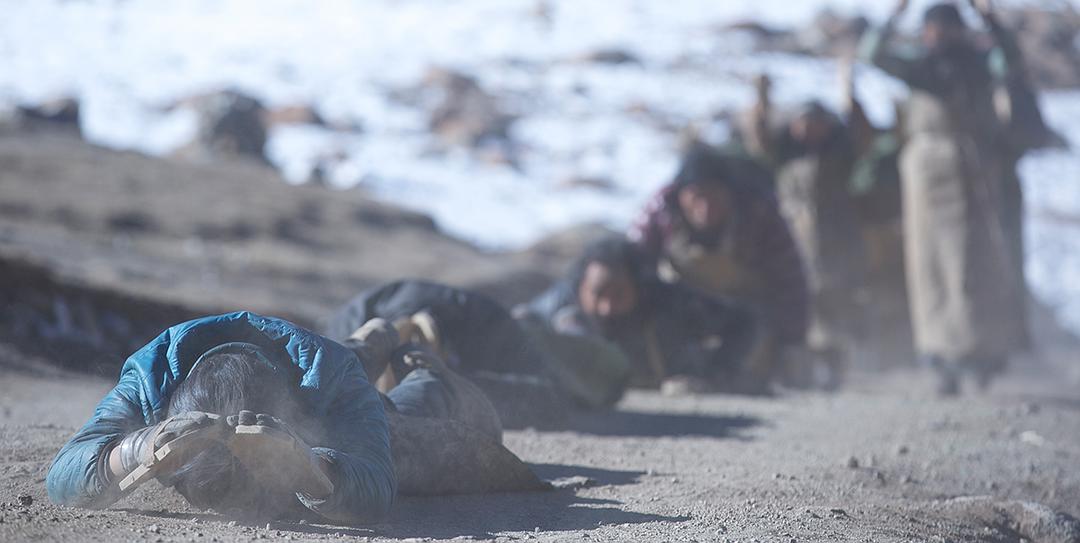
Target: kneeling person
670 333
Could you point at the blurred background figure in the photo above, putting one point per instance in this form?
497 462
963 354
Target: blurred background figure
961 198
674 337
717 227
534 374
812 153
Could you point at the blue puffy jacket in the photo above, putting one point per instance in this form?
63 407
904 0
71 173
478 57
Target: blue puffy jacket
332 384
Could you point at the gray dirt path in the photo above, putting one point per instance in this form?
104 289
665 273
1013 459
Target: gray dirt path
881 461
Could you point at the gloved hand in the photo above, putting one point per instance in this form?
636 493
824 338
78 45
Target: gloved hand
138 447
277 456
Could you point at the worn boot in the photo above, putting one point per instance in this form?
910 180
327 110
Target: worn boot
947 376
984 371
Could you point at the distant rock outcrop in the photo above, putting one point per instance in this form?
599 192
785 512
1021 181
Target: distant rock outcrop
230 123
58 114
294 114
828 34
611 56
463 113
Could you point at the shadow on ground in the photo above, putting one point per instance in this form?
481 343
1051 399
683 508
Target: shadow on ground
487 515
479 516
596 476
641 424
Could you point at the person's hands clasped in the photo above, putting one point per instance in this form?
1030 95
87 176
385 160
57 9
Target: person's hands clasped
277 456
251 418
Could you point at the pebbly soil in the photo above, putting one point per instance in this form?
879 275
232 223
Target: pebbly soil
883 460
117 234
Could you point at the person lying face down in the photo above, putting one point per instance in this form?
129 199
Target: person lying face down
204 378
255 417
666 330
529 372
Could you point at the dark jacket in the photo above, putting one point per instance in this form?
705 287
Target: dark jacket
481 340
696 335
762 244
331 382
480 334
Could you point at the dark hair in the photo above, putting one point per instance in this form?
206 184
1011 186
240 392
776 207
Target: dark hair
225 383
616 253
703 164
944 14
815 109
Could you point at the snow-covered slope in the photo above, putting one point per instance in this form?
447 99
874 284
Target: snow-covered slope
126 60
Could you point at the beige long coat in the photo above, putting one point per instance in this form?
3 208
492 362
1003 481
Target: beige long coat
961 273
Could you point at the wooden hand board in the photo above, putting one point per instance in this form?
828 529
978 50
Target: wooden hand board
277 459
165 457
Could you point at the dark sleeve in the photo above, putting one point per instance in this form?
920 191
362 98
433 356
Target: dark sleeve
548 304
737 329
356 312
780 269
492 340
78 476
720 334
860 129
875 48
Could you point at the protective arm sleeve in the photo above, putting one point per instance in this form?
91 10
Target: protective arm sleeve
79 475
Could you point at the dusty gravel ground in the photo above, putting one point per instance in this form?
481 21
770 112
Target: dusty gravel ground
883 460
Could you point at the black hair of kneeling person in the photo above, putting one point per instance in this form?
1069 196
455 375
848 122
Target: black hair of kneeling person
944 14
621 255
615 253
728 167
226 383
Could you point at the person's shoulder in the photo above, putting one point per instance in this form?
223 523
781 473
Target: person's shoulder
265 323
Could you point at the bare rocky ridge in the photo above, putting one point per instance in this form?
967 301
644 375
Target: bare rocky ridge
231 235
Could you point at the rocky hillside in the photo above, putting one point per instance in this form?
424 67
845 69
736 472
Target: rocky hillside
102 249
